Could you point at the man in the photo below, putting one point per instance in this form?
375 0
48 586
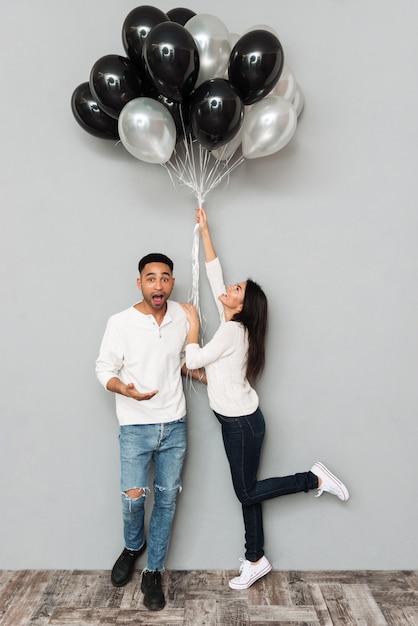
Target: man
140 360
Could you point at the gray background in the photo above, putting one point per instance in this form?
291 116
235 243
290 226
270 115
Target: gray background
328 226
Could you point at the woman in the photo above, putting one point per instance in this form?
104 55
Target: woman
233 360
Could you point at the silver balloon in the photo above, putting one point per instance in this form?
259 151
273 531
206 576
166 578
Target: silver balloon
286 85
147 130
298 100
213 43
270 29
225 152
269 125
233 38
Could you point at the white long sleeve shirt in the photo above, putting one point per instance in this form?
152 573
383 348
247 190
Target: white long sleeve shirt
137 350
224 358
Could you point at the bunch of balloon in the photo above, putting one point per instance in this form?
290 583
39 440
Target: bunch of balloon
187 82
191 96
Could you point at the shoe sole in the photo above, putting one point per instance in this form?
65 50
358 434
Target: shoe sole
263 572
153 607
125 582
331 476
149 605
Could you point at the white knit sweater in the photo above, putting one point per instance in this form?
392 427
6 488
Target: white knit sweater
224 358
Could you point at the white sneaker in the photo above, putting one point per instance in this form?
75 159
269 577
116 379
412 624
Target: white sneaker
329 483
249 573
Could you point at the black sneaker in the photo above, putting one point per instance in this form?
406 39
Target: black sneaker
124 567
151 588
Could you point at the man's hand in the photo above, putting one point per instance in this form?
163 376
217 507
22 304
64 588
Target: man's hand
132 392
129 390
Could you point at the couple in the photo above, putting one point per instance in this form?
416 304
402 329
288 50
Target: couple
141 361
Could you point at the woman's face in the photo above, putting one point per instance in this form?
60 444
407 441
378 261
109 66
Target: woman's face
233 298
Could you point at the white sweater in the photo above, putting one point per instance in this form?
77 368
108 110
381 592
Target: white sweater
225 359
136 350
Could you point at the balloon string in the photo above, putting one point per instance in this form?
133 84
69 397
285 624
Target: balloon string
194 296
195 167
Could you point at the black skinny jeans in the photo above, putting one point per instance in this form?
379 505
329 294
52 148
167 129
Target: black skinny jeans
243 440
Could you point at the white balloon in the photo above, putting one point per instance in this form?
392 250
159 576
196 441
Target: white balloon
270 29
298 100
212 41
224 152
286 85
147 130
268 127
233 38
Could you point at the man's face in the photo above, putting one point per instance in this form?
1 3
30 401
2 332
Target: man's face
156 283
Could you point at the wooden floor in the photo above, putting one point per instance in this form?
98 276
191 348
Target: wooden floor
203 598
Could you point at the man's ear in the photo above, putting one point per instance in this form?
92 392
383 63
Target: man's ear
138 282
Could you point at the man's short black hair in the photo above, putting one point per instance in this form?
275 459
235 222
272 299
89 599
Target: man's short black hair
155 257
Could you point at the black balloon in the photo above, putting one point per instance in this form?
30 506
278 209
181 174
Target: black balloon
172 60
216 113
114 81
180 15
90 116
255 64
136 28
179 113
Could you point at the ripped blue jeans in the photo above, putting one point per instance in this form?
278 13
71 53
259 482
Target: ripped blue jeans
165 446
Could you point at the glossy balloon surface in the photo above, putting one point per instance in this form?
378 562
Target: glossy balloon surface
136 27
90 116
179 113
147 130
172 60
114 81
213 43
226 151
216 113
286 85
268 127
255 64
298 100
180 15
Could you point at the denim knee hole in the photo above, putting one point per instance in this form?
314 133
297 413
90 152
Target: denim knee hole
131 500
177 489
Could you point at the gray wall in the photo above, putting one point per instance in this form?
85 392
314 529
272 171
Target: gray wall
328 226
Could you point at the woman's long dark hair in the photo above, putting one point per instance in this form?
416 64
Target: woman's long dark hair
254 318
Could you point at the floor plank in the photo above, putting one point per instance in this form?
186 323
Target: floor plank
203 598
